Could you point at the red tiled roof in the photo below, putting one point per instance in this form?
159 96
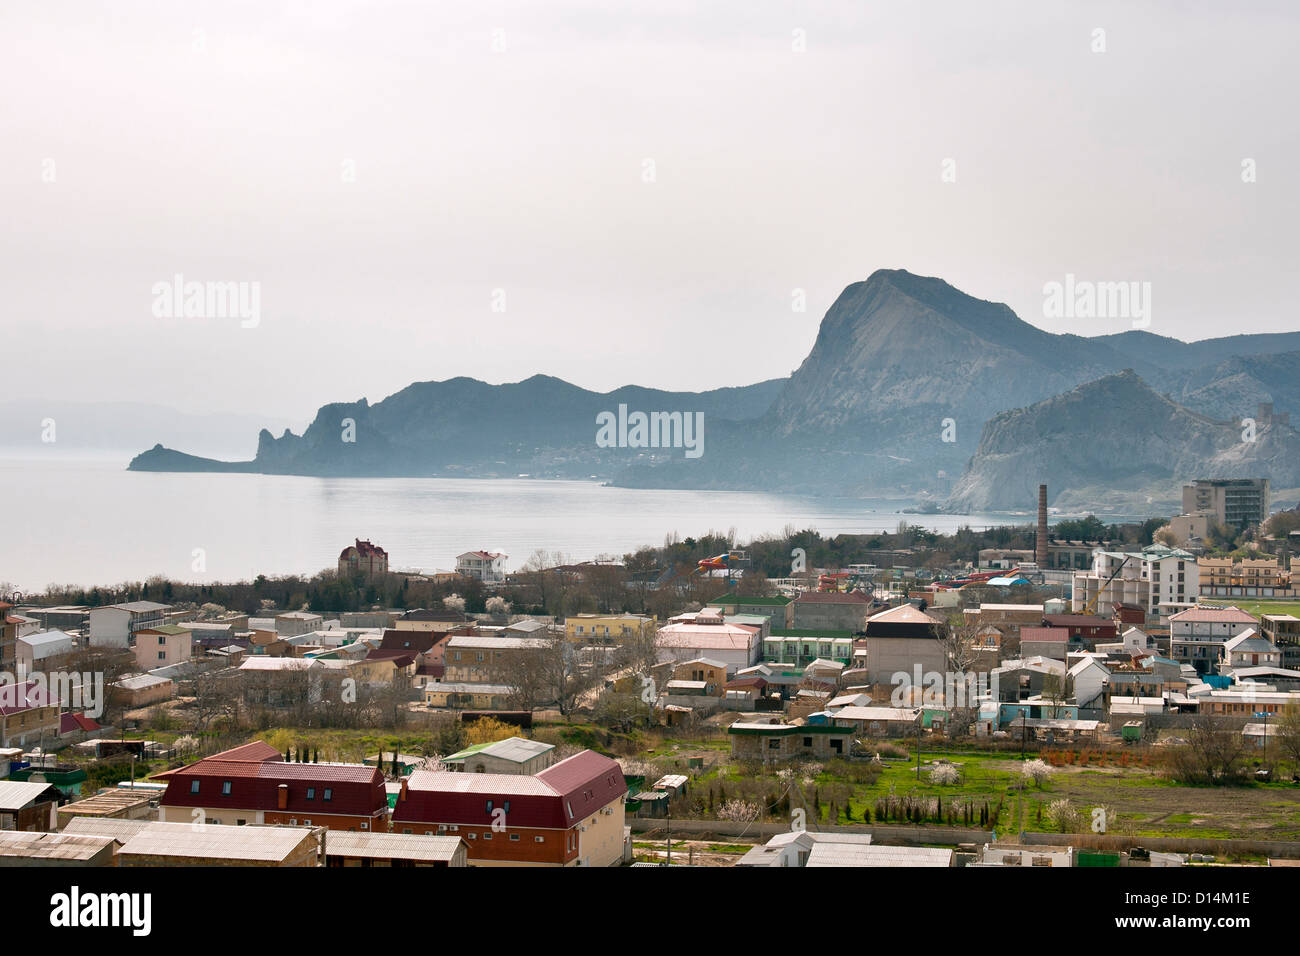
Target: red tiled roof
16 698
415 642
556 798
71 723
363 547
1077 620
1214 615
354 790
1054 635
256 750
399 658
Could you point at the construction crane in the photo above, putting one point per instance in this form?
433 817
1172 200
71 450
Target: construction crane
1092 604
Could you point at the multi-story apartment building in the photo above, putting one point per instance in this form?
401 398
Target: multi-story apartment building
570 814
9 625
116 624
1197 636
1234 502
474 660
608 628
1243 577
1284 631
1160 580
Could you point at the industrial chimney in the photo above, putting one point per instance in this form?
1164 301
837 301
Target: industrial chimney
1040 552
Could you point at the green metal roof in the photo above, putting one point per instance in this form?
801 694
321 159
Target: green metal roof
468 752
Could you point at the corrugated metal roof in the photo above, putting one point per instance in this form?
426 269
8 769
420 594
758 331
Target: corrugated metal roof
16 794
391 846
213 841
52 846
858 854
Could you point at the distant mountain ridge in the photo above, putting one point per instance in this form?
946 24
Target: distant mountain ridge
896 393
1115 432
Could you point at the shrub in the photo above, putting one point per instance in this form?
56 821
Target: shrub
945 774
1039 771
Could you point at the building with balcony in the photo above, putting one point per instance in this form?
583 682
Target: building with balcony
1233 502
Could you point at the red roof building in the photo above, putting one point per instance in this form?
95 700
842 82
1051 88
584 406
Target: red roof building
570 814
253 784
363 558
1085 628
28 714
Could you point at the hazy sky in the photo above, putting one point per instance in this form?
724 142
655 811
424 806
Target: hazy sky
504 146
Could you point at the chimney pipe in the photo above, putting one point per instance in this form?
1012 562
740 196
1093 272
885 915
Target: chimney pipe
401 794
282 796
1040 552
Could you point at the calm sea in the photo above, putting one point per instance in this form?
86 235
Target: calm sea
88 522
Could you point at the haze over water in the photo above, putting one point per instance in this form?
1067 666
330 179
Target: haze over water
92 522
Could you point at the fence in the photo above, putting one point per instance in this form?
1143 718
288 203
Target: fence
953 836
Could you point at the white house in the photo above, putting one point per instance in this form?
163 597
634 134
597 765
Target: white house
1090 677
488 566
1249 649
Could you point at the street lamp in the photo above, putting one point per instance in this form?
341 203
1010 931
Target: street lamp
1264 714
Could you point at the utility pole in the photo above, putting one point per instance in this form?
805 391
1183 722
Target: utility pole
918 743
670 831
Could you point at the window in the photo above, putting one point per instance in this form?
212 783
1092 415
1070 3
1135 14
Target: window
162 655
194 786
365 826
311 793
487 836
472 836
774 745
329 794
506 806
225 788
489 806
538 839
514 836
807 741
306 823
161 639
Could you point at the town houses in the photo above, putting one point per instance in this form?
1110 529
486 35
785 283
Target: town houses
566 716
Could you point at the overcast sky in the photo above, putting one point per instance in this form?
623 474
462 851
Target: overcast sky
382 169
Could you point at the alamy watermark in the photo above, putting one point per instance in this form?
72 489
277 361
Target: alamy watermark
1085 299
179 299
652 430
942 688
81 691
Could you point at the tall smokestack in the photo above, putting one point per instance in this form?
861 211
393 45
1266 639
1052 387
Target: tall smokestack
1040 552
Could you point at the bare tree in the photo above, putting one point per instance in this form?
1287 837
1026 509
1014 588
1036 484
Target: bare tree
1212 754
